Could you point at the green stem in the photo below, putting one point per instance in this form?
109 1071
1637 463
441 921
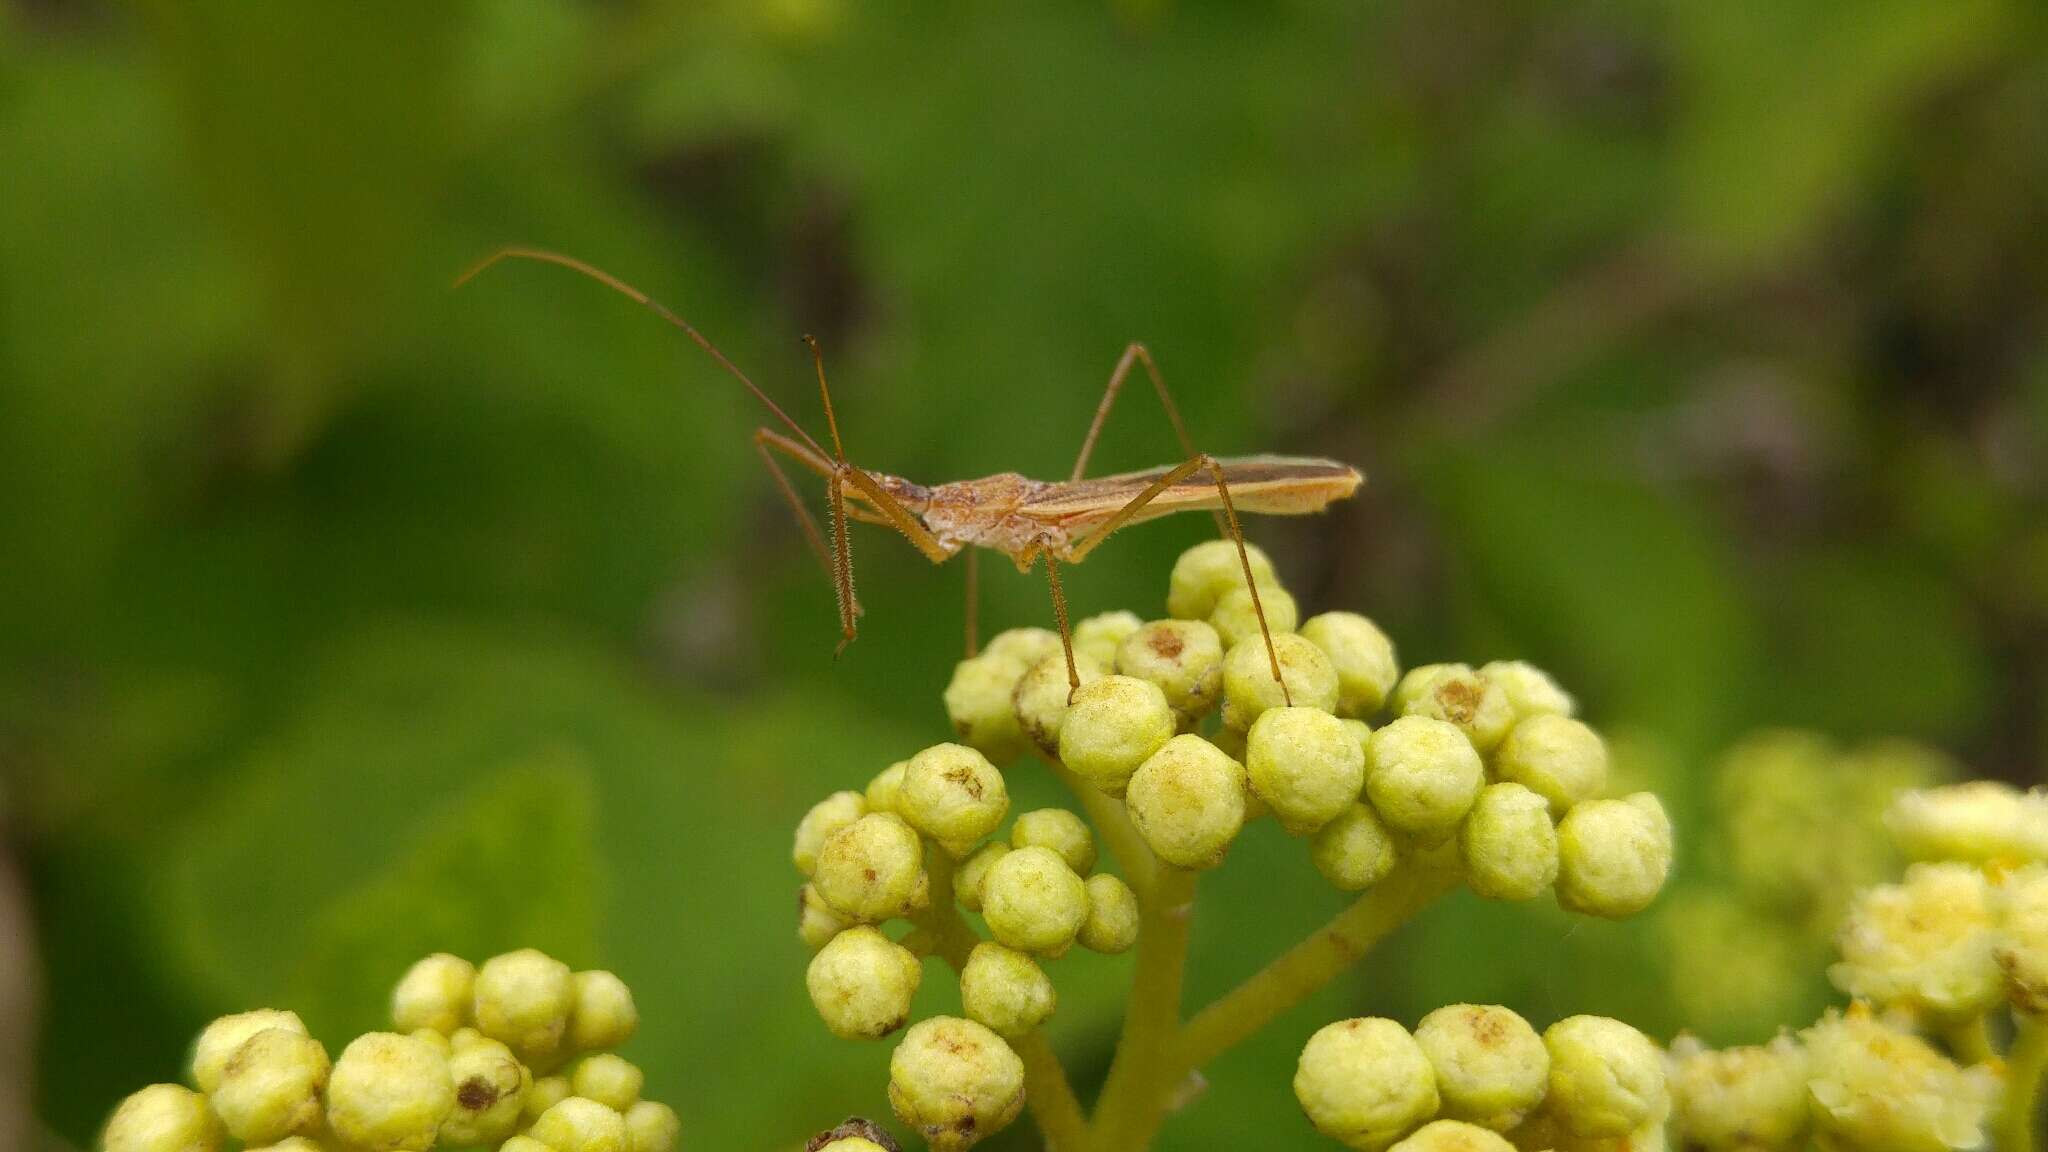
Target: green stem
1308 966
1133 856
2024 1066
1970 1041
1146 1071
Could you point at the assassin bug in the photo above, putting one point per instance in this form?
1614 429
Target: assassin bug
1025 519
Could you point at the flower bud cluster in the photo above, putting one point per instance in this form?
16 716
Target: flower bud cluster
510 1055
1480 1077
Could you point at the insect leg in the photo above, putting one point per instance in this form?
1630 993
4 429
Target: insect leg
973 601
1059 611
1134 353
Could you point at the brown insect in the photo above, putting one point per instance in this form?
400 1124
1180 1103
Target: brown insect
1024 519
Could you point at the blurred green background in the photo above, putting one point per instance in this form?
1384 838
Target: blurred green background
1698 352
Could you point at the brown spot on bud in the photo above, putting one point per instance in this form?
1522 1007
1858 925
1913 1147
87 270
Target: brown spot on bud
1167 643
476 1094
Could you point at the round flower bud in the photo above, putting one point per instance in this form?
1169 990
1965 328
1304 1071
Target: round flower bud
523 1001
1453 1136
543 1094
434 993
1355 851
1365 1082
1457 694
1423 775
2023 953
825 817
1112 923
862 984
444 1044
1530 690
816 922
1491 1067
978 701
869 870
1205 572
162 1118
885 789
1099 636
292 1144
1359 730
580 1125
1249 688
271 1086
855 1135
1606 1078
954 795
1362 655
1925 944
967 882
612 1081
389 1092
1556 757
1059 830
1026 646
1509 844
1033 902
523 1143
1613 856
1005 990
1112 725
1188 802
1042 694
955 1081
1305 765
1236 616
490 1094
1741 1098
220 1039
1876 1089
1978 822
1183 657
604 1015
650 1127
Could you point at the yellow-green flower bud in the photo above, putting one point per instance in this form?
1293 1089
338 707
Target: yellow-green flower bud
816 922
862 984
954 795
825 817
1457 694
1875 1089
1979 822
1925 944
1606 1078
1249 688
1360 731
523 1143
1205 572
1740 1099
1423 775
1112 923
1613 856
979 702
490 1094
271 1086
611 1080
967 882
2023 952
210 1054
886 788
1355 851
870 870
1059 830
1027 646
1184 658
1099 636
543 1094
1005 990
162 1118
523 1000
1491 1067
1365 1082
855 1135
445 1044
1236 616
1556 757
1305 765
1454 1136
434 993
955 1081
389 1092
580 1125
650 1127
1367 668
1509 844
1111 727
1188 802
1042 695
291 1144
1529 689
1033 902
604 1015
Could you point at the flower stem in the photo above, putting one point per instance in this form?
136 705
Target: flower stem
1970 1041
2025 1065
1133 855
1146 1071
